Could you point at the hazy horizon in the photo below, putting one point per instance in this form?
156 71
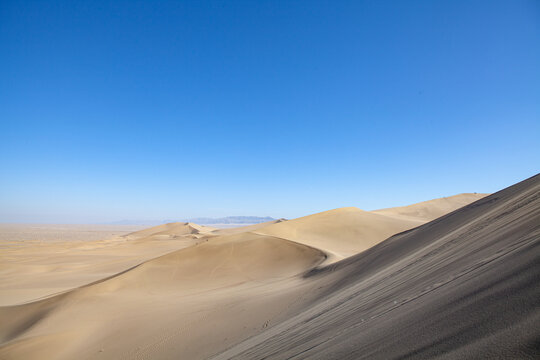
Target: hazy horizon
149 222
169 219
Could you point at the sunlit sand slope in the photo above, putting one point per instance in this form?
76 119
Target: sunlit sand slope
341 232
192 302
431 209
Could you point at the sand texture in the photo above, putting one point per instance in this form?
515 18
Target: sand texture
454 277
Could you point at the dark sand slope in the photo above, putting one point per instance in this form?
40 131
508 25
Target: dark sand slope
466 285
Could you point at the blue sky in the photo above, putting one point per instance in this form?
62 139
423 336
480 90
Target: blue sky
161 110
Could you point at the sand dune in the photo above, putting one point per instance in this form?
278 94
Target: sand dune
187 286
347 231
341 232
431 209
322 286
171 229
222 261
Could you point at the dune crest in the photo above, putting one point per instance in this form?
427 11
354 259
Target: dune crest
431 209
171 229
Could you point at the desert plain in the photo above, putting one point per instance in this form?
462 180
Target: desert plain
454 277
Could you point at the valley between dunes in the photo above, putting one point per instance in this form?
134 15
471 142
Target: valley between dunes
344 283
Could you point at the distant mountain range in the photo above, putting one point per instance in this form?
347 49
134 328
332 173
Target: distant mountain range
201 221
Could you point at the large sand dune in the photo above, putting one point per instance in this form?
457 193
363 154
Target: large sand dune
463 286
322 286
341 232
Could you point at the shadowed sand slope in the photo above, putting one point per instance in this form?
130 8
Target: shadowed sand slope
463 286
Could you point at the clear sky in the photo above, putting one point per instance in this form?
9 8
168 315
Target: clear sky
116 110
